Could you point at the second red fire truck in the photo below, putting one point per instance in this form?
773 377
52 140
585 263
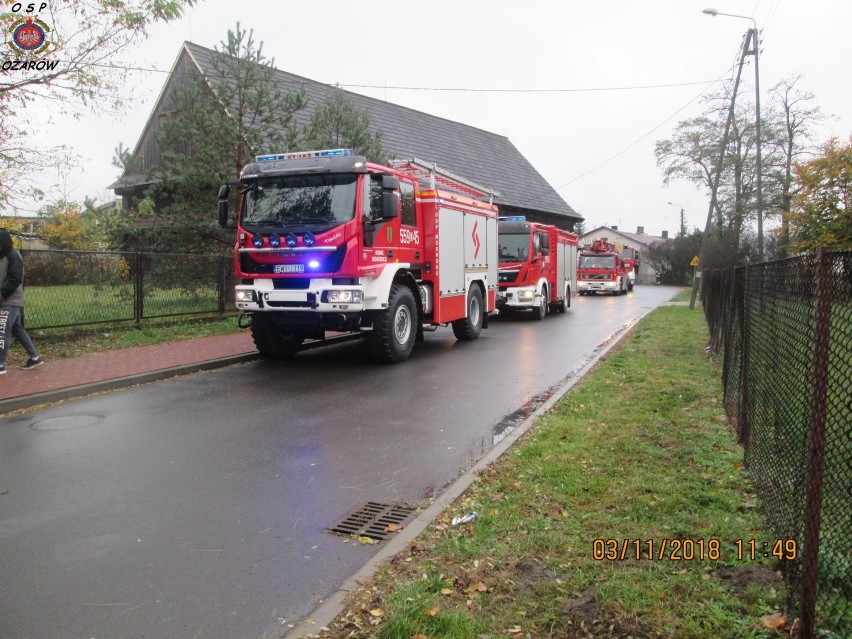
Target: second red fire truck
538 267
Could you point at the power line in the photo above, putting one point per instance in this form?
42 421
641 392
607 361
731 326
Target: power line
574 90
642 137
118 67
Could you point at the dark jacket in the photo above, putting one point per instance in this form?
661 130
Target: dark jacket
11 273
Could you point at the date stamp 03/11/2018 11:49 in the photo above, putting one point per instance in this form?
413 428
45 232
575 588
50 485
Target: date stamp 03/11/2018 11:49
693 549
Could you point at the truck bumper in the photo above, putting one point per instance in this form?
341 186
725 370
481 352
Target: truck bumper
592 286
518 297
321 296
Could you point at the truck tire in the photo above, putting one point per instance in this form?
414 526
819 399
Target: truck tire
395 329
540 312
470 327
565 304
272 341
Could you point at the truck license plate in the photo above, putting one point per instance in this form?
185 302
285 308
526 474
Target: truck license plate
289 268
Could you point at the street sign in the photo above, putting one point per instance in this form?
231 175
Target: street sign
694 261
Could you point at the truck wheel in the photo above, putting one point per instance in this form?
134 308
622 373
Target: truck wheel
540 312
272 341
395 329
565 304
470 327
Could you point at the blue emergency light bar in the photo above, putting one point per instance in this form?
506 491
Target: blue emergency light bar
513 218
301 155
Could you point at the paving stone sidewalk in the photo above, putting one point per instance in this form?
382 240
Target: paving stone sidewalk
105 370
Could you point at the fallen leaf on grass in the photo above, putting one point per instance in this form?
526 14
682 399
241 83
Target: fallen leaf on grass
433 611
515 630
776 621
377 612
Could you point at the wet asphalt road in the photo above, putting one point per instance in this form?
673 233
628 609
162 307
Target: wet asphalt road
196 507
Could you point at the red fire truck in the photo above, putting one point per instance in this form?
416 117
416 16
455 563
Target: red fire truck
330 246
538 267
602 268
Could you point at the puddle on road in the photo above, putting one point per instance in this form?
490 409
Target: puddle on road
514 419
66 422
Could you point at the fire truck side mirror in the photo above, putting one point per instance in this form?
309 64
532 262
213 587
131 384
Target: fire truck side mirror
390 197
224 194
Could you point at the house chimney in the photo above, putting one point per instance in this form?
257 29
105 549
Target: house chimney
640 230
614 228
665 235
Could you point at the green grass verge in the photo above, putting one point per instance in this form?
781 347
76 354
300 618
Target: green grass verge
641 451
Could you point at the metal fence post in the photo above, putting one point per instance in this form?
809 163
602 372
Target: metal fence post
816 452
745 337
138 289
221 283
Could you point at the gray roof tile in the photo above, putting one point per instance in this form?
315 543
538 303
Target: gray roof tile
483 157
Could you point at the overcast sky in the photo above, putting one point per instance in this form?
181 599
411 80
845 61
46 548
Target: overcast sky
582 88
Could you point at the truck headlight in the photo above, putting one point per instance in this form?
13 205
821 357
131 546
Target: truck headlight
343 296
526 296
246 295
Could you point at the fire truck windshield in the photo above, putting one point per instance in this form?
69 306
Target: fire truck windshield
597 261
514 247
327 200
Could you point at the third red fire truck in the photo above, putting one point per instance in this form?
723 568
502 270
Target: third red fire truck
538 267
603 269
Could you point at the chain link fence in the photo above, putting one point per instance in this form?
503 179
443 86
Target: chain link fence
785 331
80 288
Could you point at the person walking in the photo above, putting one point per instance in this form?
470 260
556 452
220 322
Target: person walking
12 304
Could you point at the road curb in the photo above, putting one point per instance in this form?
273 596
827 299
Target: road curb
325 613
27 401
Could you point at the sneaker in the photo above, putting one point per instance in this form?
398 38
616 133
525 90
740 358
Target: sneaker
33 363
2 370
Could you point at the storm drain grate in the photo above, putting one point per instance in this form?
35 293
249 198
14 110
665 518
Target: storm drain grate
373 520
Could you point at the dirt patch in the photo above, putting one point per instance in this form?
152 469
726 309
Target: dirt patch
529 573
741 577
583 618
583 608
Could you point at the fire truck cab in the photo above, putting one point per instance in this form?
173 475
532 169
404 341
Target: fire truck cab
602 269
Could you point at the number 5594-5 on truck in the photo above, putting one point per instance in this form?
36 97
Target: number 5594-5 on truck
330 246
